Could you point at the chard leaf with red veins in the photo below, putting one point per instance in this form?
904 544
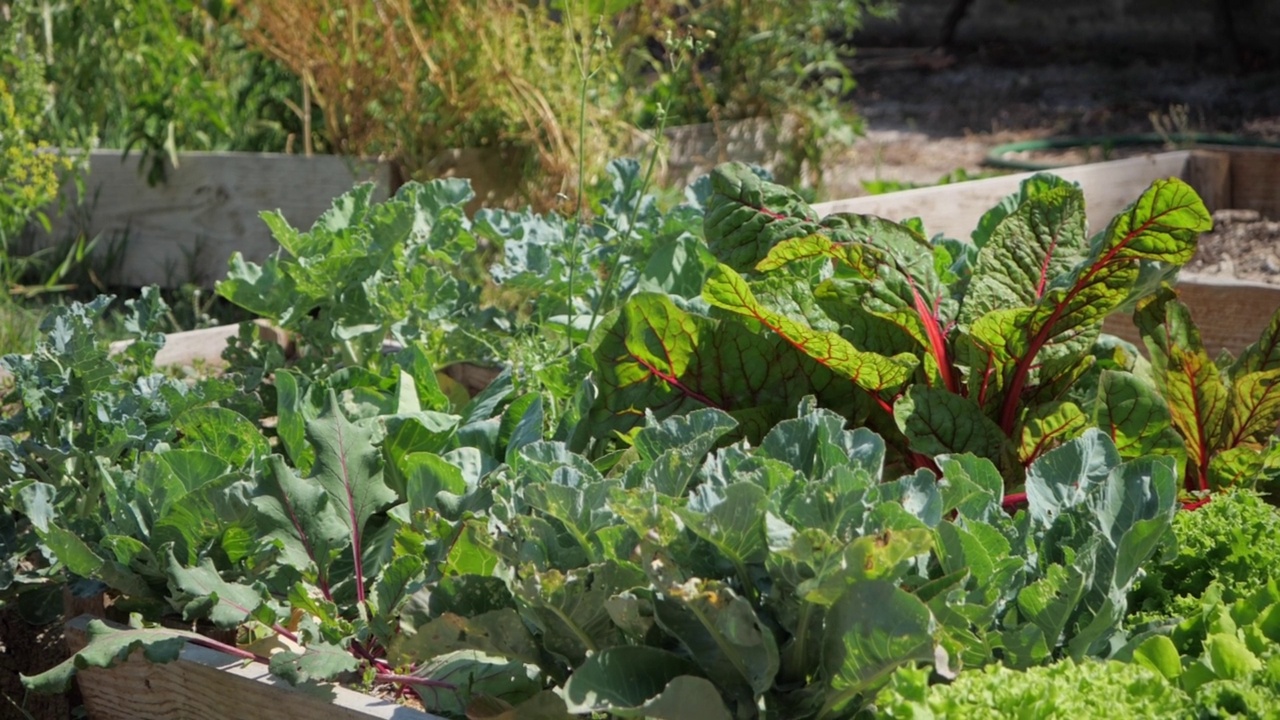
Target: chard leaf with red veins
1043 239
1162 225
938 422
879 301
1264 354
663 359
1191 383
1048 425
874 373
746 215
1136 417
1227 412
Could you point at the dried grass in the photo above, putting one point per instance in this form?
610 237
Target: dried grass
410 79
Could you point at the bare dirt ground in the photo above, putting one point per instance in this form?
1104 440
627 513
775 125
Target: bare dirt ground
929 114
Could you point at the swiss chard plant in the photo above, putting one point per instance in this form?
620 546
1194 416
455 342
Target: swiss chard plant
992 347
1226 409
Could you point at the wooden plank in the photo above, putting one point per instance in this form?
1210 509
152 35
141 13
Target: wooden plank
204 345
185 229
184 349
954 210
205 684
1255 181
1209 172
1231 314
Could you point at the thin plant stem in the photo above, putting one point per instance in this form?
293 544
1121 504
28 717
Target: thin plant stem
575 246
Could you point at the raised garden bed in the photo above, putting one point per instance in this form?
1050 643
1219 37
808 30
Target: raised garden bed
207 684
1231 312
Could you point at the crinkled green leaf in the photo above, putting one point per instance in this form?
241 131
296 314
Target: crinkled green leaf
1264 354
1045 237
1043 427
1192 385
1135 416
745 216
1163 224
938 422
660 358
869 371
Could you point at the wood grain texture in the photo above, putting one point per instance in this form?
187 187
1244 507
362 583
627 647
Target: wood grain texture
1255 181
1231 314
1209 172
185 229
205 684
954 210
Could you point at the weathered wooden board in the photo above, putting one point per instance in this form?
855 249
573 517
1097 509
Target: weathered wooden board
205 684
205 345
185 229
954 210
1255 181
1231 314
192 347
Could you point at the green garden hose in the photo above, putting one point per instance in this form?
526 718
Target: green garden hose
996 156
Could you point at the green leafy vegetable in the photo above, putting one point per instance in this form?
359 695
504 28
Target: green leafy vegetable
945 350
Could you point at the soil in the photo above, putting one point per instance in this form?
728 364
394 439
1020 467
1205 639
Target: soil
1243 245
929 113
28 649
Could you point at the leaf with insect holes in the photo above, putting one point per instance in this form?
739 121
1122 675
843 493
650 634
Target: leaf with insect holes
107 647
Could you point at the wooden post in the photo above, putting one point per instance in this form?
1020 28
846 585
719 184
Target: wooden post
1209 172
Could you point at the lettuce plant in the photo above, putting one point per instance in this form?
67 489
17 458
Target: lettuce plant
992 348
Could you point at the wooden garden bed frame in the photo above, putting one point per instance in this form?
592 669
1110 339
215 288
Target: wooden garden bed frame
206 684
1230 313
